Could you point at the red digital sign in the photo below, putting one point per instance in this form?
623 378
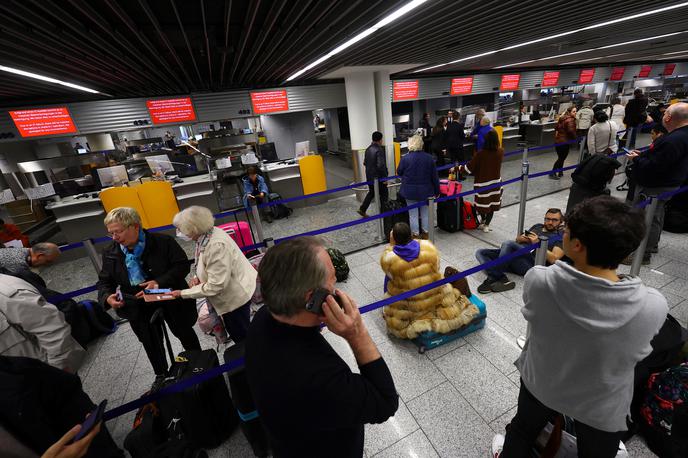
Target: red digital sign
550 79
586 75
617 73
171 110
269 101
460 86
405 90
644 71
510 82
43 121
669 69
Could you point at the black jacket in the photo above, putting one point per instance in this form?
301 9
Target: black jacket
163 261
665 163
454 136
439 142
636 112
375 162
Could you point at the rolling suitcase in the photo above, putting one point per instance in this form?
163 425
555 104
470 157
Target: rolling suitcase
251 424
390 221
239 231
207 414
429 339
448 215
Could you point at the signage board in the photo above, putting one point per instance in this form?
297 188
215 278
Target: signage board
617 73
586 75
644 71
165 111
43 121
461 86
510 82
405 90
550 79
269 101
669 69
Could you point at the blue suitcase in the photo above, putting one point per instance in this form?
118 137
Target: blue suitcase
430 339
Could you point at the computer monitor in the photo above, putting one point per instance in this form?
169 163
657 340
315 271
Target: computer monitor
113 176
268 152
302 149
81 151
160 162
246 131
198 137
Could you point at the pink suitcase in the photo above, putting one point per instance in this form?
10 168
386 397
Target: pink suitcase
240 232
450 187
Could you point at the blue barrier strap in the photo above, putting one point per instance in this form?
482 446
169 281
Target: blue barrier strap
61 297
316 194
669 194
253 247
71 246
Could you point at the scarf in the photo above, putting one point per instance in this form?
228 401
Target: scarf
407 252
133 262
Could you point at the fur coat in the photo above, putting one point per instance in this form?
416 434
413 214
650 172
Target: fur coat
441 309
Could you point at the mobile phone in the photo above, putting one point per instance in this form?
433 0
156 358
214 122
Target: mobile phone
528 233
118 294
95 417
314 305
157 291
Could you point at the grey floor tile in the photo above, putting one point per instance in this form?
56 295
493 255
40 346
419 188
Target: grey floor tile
413 373
515 378
121 341
237 446
675 269
121 427
359 258
453 427
415 445
379 437
499 425
108 379
505 313
678 287
672 299
355 288
497 345
438 352
370 275
637 448
680 312
489 391
92 350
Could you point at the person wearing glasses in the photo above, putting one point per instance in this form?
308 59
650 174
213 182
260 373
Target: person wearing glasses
496 280
137 260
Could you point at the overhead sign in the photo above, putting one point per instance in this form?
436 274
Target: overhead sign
43 121
405 90
586 75
644 71
669 69
550 79
269 101
617 73
171 110
510 82
460 86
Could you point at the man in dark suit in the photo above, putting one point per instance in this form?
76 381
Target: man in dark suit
455 137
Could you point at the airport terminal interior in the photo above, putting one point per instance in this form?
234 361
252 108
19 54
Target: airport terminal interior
263 112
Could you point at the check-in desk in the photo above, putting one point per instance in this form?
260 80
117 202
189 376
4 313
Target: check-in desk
285 180
196 190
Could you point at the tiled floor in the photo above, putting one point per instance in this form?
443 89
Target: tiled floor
453 398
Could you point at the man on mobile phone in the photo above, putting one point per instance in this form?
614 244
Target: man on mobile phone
309 400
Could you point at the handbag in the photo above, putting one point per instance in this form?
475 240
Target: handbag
210 322
608 151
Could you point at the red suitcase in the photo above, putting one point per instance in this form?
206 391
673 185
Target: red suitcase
240 232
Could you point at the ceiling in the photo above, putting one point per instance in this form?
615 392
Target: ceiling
132 48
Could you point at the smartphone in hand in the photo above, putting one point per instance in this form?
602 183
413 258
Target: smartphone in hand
95 417
314 305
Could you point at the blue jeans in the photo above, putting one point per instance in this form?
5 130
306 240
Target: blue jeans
519 265
413 216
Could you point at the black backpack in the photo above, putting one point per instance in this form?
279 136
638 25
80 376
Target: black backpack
279 211
595 172
87 319
341 267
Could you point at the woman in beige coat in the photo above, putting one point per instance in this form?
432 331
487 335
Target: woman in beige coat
221 273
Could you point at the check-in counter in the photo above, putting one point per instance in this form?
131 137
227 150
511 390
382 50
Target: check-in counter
196 190
285 180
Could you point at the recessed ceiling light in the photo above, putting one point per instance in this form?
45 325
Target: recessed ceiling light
550 37
16 71
381 23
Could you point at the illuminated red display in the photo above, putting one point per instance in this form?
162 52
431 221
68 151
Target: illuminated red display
586 75
461 86
644 71
669 69
171 110
617 73
510 82
269 101
43 121
550 79
404 90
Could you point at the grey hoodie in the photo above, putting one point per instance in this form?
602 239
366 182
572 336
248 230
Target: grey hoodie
586 336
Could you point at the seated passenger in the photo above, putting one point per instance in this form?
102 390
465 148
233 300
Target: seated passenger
309 400
496 280
9 232
410 264
589 327
34 328
256 192
18 259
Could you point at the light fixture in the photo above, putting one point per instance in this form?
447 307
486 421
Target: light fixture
550 37
381 23
16 71
594 58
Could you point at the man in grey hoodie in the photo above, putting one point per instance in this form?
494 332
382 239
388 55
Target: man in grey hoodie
589 327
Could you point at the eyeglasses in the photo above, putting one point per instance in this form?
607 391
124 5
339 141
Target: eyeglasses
113 234
552 220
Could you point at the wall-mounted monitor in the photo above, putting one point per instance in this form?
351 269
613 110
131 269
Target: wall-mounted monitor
165 111
113 176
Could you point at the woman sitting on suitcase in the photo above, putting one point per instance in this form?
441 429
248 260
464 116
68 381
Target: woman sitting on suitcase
409 264
256 192
221 273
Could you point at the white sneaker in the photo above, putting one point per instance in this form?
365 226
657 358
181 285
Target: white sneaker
486 228
497 445
521 342
481 227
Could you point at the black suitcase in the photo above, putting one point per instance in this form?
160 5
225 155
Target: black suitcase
448 215
390 221
207 413
251 425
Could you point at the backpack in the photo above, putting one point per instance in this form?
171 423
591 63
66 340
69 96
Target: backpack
279 211
665 412
469 219
87 319
341 267
595 172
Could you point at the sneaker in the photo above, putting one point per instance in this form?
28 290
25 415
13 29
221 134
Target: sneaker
502 285
486 286
654 251
552 176
497 445
486 228
362 213
481 227
521 342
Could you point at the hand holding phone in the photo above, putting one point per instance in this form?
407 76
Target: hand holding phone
319 296
93 419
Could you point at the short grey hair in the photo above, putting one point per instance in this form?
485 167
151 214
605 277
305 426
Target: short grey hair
194 220
126 216
485 121
288 271
415 143
46 249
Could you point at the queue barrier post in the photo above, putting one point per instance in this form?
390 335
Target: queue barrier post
432 205
257 224
96 260
640 252
541 251
581 148
378 206
525 170
631 136
269 243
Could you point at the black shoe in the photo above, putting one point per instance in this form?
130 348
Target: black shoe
268 218
654 251
362 213
157 384
485 287
553 176
502 285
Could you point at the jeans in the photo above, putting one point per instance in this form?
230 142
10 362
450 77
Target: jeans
532 416
519 265
413 216
384 196
237 321
658 219
562 154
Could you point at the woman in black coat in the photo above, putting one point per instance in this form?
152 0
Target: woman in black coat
438 145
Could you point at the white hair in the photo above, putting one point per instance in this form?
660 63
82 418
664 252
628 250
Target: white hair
126 216
415 143
194 220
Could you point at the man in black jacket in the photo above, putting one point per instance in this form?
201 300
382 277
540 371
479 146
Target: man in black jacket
310 401
662 168
375 163
138 260
635 114
455 137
